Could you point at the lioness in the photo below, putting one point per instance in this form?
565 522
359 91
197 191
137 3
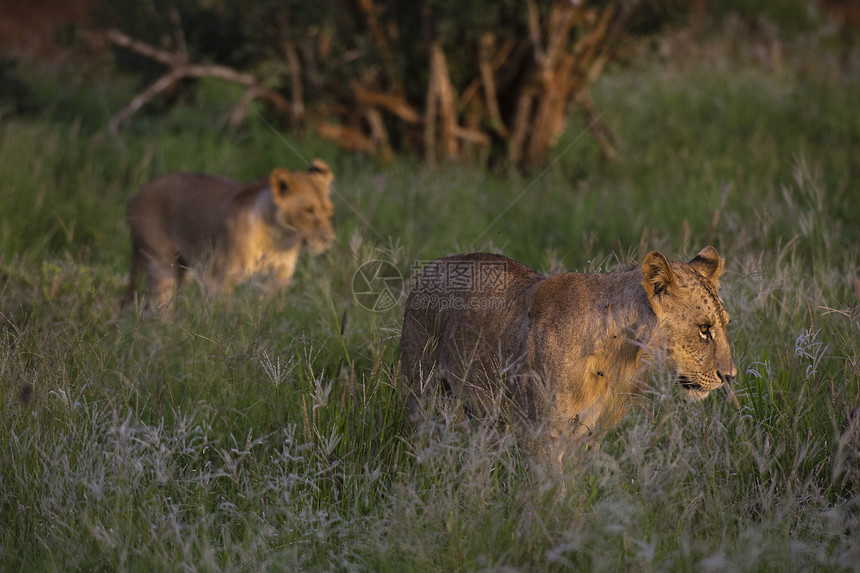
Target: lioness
236 230
565 352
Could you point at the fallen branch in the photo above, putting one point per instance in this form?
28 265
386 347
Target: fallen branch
180 69
122 40
199 71
140 99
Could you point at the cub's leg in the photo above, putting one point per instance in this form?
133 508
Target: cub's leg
164 266
138 267
163 269
164 279
279 269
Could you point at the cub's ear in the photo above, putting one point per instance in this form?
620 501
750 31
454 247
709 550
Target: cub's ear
281 182
657 276
708 264
321 168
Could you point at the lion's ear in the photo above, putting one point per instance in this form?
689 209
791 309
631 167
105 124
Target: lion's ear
708 264
321 168
281 182
657 276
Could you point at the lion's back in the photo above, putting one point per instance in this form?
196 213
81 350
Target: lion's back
180 195
460 278
456 298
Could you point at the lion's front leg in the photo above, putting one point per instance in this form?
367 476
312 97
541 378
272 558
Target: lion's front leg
163 281
279 270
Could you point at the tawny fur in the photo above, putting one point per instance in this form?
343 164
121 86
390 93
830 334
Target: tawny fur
565 353
231 230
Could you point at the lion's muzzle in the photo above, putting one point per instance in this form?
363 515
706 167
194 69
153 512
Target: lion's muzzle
319 243
699 386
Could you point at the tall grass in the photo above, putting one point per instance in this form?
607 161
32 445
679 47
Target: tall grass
269 433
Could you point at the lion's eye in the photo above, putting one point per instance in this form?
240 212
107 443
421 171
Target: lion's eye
309 210
705 330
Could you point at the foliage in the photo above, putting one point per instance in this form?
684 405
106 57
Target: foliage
250 433
790 18
442 79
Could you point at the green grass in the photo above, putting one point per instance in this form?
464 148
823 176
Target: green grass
250 433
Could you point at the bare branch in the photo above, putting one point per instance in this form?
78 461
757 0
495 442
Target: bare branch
431 106
392 103
598 129
534 31
345 136
489 82
470 135
124 41
297 110
447 114
237 116
520 125
200 71
222 72
378 133
140 99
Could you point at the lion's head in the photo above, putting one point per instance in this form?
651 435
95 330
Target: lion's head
303 204
691 320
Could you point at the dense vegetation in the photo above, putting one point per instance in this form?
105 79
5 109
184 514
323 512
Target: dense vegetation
483 81
246 433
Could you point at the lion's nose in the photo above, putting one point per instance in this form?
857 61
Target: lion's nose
728 376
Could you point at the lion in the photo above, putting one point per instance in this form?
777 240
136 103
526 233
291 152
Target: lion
231 230
565 353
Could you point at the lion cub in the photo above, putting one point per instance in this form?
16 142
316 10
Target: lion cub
231 229
565 352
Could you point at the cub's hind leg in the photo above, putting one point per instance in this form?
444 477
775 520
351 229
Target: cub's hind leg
165 270
138 267
164 280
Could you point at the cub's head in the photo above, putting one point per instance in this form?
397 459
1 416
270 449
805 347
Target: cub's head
691 320
303 205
